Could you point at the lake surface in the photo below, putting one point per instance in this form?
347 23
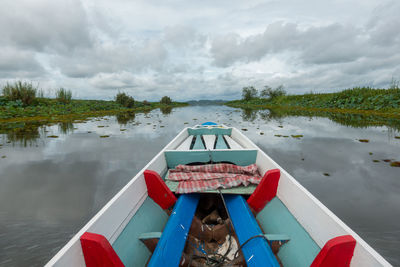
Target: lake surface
51 186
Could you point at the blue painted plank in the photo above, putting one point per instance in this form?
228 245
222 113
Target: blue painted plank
198 144
220 143
215 130
256 251
149 218
301 250
172 242
238 157
209 123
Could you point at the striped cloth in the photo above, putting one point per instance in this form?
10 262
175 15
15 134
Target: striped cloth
212 176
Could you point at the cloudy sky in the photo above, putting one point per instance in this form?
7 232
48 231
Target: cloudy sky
198 49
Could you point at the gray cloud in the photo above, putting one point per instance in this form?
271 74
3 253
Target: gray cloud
155 48
318 45
44 25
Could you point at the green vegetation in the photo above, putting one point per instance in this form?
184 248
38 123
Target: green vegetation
64 96
358 100
21 101
22 93
166 100
125 100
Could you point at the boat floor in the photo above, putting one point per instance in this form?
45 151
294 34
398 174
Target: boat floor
212 240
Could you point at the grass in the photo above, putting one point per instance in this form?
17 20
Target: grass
45 108
21 101
358 100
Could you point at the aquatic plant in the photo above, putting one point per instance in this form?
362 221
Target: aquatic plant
23 91
63 95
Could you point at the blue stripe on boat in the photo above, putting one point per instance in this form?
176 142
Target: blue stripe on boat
172 242
209 123
256 251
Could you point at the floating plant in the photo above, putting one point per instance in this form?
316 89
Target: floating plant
387 160
122 130
297 136
375 160
371 153
100 126
364 140
280 126
278 135
395 164
397 137
261 133
52 136
326 174
104 136
244 129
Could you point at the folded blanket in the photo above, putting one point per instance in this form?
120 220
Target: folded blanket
213 176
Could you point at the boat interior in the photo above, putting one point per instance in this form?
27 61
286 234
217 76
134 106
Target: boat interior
238 226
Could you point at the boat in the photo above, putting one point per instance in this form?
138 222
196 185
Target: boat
152 221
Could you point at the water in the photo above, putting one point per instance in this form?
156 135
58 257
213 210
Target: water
51 187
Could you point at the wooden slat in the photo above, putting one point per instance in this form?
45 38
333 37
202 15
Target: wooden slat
198 144
238 157
186 143
220 143
209 139
232 143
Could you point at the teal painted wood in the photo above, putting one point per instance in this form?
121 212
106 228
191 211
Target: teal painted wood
175 158
301 250
150 235
277 237
198 144
215 131
220 143
238 157
149 218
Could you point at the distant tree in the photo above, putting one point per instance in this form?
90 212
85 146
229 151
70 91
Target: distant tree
166 100
63 95
265 92
124 100
146 103
271 93
249 93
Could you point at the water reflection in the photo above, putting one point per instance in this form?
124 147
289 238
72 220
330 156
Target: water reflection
66 127
21 133
166 110
48 191
126 117
249 114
